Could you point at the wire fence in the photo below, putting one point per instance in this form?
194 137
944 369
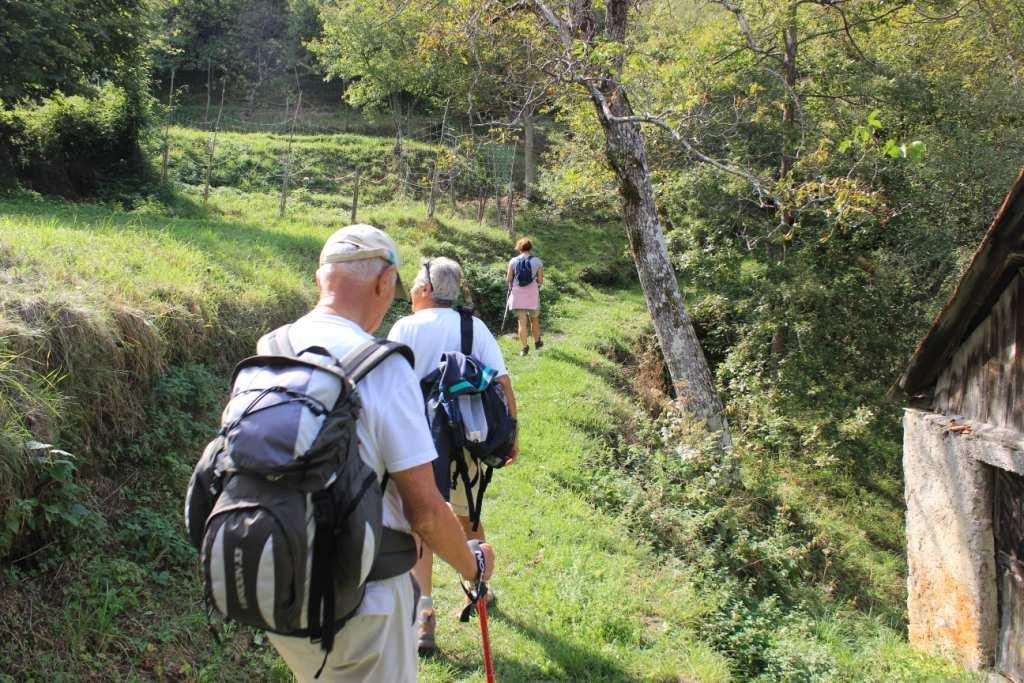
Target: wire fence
429 160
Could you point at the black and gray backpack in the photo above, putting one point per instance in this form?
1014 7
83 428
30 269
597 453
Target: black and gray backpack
286 515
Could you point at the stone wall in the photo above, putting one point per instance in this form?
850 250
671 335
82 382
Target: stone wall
951 584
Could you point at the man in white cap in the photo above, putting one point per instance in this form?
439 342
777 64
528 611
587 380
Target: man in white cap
434 328
357 277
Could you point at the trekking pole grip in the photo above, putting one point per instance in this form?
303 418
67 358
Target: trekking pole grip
481 562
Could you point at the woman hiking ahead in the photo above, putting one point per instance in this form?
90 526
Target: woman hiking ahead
525 276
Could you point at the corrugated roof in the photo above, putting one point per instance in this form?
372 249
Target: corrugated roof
998 258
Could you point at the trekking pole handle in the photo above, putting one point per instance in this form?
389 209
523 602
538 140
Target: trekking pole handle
481 562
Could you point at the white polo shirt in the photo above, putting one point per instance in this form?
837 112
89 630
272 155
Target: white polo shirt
434 331
392 428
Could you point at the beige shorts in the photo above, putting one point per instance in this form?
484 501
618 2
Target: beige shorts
529 312
377 644
457 498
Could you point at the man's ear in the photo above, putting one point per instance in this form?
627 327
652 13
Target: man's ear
382 279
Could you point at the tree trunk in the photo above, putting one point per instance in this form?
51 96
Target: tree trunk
529 158
789 104
209 88
625 148
684 358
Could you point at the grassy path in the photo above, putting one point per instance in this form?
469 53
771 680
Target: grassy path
580 600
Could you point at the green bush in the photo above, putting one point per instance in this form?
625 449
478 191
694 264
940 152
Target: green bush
76 146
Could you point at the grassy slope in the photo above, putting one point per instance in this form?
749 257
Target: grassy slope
320 163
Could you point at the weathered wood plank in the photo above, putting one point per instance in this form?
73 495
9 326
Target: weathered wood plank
984 381
992 263
1008 528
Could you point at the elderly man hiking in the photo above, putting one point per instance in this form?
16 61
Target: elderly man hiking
525 275
434 329
320 558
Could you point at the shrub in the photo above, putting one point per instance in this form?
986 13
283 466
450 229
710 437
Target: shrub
76 146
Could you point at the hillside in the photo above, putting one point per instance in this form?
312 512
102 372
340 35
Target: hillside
620 561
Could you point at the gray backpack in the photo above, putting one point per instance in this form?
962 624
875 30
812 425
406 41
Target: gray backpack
285 513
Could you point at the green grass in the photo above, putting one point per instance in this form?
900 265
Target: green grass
314 118
580 598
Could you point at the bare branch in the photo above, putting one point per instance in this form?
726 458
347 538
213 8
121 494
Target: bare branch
759 184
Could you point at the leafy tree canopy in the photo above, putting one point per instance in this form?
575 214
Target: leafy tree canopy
50 45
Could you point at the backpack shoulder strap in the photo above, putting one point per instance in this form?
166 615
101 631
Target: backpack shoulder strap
466 330
358 362
276 343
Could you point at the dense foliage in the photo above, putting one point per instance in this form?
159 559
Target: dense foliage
63 45
811 304
74 101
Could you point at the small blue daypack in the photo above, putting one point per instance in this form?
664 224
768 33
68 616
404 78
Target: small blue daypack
523 270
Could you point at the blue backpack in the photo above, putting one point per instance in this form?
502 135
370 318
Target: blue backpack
523 270
468 412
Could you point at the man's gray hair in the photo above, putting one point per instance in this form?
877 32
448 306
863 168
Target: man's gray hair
445 279
363 270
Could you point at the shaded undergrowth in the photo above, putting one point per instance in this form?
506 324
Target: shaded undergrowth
785 597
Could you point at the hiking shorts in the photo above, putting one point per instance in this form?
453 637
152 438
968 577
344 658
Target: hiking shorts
450 484
528 312
377 644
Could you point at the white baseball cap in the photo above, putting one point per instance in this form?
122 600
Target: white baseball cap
362 241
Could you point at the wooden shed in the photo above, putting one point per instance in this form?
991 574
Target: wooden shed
963 460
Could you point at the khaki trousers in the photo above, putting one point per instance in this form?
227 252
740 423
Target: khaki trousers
377 644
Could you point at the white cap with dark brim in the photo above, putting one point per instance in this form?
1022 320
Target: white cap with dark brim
362 241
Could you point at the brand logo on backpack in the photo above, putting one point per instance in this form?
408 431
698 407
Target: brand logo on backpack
240 581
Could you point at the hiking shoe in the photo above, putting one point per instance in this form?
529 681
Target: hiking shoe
538 345
425 626
526 350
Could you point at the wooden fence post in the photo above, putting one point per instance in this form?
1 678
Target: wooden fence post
355 198
167 129
481 207
213 141
432 204
288 160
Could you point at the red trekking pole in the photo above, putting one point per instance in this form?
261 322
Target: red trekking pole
478 601
481 607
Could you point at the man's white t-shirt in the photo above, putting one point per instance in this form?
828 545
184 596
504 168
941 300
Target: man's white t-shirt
392 428
435 331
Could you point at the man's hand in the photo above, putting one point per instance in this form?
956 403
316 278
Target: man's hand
514 455
489 558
